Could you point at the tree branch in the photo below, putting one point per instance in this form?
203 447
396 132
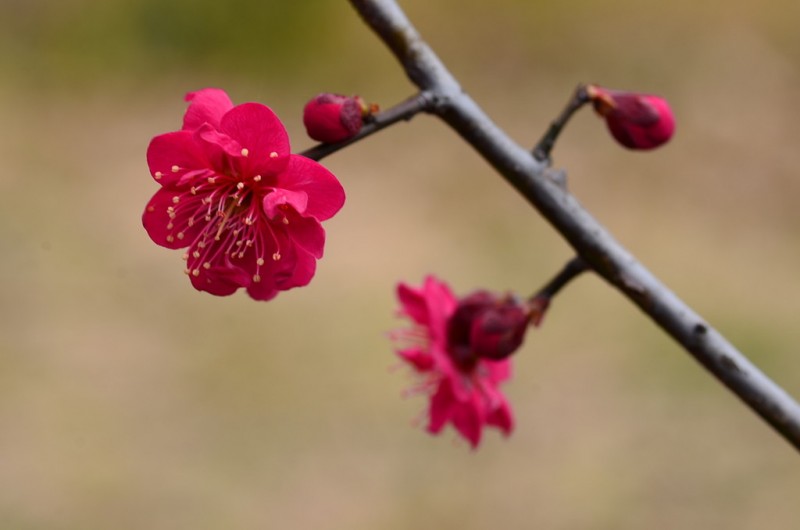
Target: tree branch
590 240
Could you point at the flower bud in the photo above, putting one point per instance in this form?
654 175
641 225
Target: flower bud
637 121
333 118
486 326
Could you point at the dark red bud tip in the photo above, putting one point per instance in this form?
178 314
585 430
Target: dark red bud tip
637 121
331 118
499 331
485 325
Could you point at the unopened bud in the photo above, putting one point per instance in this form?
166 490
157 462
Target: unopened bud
637 121
333 118
485 325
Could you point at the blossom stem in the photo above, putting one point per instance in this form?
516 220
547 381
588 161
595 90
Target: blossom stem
421 102
571 270
579 98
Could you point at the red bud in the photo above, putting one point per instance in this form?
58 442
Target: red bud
637 121
334 118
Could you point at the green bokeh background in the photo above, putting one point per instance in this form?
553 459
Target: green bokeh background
130 401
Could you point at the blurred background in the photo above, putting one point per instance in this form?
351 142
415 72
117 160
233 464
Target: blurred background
128 400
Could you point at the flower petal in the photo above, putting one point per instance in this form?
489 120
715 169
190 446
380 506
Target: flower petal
219 281
212 136
280 197
325 193
420 359
161 228
441 407
305 266
308 234
441 305
413 302
206 106
468 419
502 417
259 131
171 155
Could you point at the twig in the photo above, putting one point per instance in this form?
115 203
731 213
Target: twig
588 237
571 270
542 150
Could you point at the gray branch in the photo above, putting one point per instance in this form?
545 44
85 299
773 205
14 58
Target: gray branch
544 189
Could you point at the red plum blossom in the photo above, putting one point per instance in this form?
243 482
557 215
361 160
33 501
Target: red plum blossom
450 347
247 210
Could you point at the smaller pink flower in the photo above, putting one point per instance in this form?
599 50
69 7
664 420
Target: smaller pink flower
637 121
447 347
334 118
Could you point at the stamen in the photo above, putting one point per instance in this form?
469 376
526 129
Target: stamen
175 169
196 273
170 239
240 186
257 178
212 180
195 254
185 256
245 151
276 256
176 199
273 155
206 265
158 175
256 278
260 261
180 235
285 220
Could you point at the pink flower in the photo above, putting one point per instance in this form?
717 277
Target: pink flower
462 385
637 121
248 210
333 118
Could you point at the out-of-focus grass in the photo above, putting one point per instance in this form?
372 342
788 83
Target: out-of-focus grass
127 400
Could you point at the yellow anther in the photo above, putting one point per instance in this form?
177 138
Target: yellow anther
170 239
206 265
257 178
196 254
273 155
196 273
276 256
176 199
180 235
260 261
245 151
158 175
175 169
256 278
240 186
